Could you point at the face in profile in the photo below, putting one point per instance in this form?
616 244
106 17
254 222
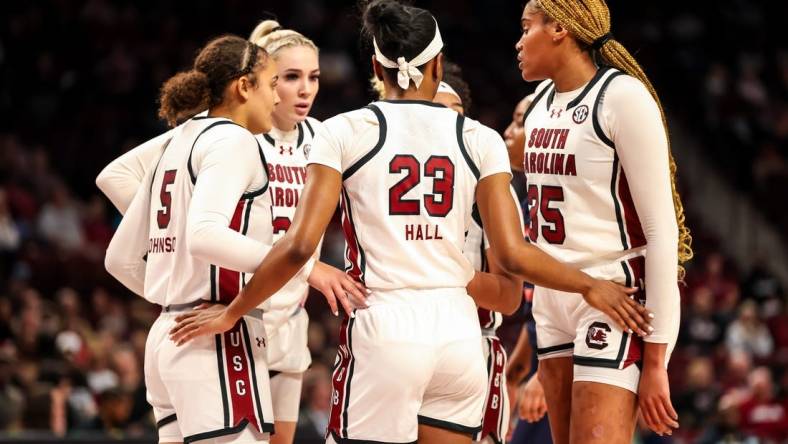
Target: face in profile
263 98
514 136
299 82
534 46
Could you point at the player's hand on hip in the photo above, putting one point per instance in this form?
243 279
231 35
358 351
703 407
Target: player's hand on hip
532 406
616 301
654 401
338 288
206 319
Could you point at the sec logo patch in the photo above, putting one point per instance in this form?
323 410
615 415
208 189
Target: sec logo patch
581 114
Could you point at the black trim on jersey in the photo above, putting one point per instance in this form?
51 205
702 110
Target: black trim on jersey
415 102
550 97
269 139
535 101
595 114
250 355
599 73
214 287
460 125
247 214
446 425
191 151
352 365
166 420
266 428
205 117
300 135
362 256
381 140
222 383
574 102
609 363
253 194
340 440
554 348
617 204
309 127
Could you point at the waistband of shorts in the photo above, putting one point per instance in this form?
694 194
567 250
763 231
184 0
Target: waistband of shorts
415 295
610 258
179 308
489 333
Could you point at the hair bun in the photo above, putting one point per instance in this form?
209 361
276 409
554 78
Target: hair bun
183 96
385 18
263 29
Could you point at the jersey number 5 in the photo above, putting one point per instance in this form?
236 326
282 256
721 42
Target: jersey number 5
163 215
440 168
553 230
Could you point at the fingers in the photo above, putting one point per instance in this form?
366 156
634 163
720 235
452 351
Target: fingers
634 320
666 420
332 300
186 316
183 332
613 314
645 412
342 297
357 295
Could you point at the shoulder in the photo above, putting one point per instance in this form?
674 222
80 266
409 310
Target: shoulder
349 122
624 87
225 136
473 129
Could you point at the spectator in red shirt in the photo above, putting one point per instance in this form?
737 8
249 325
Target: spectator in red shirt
763 414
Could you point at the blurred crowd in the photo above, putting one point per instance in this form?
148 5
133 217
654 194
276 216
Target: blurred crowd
79 87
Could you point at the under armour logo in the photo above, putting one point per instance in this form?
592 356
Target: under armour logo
555 113
282 150
260 342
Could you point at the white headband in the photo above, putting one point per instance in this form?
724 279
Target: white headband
444 87
409 69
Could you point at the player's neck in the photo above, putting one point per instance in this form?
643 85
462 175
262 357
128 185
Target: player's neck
283 124
574 71
423 93
235 114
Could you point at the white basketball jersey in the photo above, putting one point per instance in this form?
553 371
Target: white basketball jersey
476 245
581 209
173 276
409 170
285 153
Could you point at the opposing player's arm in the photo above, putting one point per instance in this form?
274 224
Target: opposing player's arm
497 290
520 258
518 365
121 179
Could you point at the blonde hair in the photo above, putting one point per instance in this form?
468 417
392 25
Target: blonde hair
588 21
270 36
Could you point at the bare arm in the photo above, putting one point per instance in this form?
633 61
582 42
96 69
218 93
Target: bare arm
519 257
497 290
519 363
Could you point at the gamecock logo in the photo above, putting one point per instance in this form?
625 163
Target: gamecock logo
596 337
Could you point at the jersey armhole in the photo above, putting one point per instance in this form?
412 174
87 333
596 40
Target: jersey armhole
264 188
535 101
595 113
192 174
382 129
463 149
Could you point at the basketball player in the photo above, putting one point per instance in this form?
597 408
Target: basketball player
284 146
602 194
408 170
195 208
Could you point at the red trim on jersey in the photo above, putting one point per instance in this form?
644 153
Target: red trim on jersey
493 405
351 251
631 219
486 318
230 280
634 353
339 381
240 385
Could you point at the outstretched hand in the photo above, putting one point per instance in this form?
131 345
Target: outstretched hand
338 287
616 301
